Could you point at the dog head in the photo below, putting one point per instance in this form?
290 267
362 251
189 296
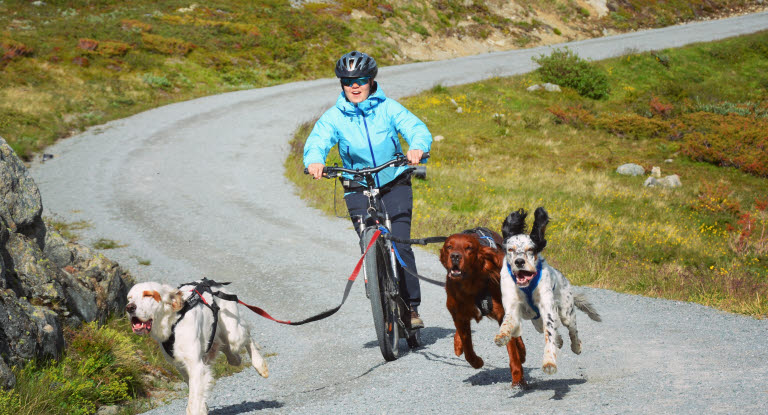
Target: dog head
522 251
463 256
150 301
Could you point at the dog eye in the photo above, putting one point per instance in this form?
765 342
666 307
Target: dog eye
448 247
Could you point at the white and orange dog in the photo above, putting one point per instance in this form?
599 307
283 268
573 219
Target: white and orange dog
193 323
534 290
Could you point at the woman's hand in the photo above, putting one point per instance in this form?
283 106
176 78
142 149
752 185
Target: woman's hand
316 170
414 156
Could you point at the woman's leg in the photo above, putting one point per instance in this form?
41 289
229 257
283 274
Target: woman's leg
399 204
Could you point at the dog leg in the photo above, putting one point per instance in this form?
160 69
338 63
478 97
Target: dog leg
568 318
510 325
516 359
549 365
233 357
257 361
200 382
458 348
464 333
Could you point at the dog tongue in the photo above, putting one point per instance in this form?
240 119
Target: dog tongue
142 326
524 278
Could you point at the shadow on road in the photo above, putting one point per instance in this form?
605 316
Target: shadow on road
429 335
244 407
560 387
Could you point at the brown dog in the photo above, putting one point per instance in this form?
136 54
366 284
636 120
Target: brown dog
473 289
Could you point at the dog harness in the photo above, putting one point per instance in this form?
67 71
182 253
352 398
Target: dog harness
485 236
531 287
204 286
483 299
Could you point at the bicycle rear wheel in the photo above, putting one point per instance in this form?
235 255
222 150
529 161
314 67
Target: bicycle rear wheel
382 291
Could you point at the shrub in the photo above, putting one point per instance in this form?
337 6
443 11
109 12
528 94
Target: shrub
11 49
575 115
716 198
166 45
634 126
565 68
727 140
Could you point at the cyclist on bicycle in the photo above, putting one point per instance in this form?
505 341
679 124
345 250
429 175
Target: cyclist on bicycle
365 124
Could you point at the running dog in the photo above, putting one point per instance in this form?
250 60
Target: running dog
193 323
473 260
536 291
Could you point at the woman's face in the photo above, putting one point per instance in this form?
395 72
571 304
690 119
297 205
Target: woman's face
356 93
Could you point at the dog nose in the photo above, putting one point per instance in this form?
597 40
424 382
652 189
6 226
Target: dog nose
519 263
455 258
130 308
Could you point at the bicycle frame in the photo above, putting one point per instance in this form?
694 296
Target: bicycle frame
387 305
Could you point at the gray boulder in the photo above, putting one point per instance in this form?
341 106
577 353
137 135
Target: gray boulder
631 169
55 248
46 282
670 182
20 202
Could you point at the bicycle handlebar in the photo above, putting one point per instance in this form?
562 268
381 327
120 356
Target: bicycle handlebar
398 161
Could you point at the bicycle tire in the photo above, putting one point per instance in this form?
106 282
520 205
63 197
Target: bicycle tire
383 307
414 339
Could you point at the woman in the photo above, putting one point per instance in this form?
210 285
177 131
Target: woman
365 124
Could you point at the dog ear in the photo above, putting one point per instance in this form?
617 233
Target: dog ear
540 221
514 224
492 260
177 301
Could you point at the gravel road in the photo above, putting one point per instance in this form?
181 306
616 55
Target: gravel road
197 188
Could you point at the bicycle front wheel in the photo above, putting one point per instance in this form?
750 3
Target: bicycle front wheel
382 293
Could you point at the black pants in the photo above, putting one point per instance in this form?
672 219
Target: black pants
398 202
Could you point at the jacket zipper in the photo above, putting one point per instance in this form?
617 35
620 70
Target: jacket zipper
370 146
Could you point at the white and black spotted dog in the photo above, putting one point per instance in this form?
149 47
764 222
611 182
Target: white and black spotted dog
532 289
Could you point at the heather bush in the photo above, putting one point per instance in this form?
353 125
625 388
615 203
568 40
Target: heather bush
727 140
633 126
564 67
574 115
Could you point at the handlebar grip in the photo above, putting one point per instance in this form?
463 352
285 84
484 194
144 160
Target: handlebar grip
325 170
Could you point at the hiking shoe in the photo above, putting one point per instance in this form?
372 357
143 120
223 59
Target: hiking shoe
416 321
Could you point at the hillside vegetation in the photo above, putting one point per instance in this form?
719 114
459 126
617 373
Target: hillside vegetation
699 112
69 65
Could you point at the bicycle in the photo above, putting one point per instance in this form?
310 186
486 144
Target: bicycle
390 310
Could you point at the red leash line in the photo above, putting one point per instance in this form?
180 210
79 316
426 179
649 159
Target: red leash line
326 313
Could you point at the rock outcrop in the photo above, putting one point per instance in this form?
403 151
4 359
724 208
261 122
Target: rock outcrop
46 282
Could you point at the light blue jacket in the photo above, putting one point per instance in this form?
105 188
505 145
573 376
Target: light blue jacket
366 134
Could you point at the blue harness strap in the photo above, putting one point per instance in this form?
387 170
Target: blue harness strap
530 288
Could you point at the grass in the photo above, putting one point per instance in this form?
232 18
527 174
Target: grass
103 243
705 242
102 366
68 230
68 66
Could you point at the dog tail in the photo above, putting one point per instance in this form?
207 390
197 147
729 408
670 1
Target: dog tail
580 301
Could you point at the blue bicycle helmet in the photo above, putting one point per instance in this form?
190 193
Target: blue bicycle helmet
355 65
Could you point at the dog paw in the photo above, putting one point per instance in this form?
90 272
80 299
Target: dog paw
476 362
576 347
549 368
263 369
502 339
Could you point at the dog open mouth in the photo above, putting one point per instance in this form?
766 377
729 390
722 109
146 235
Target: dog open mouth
455 272
523 278
141 327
